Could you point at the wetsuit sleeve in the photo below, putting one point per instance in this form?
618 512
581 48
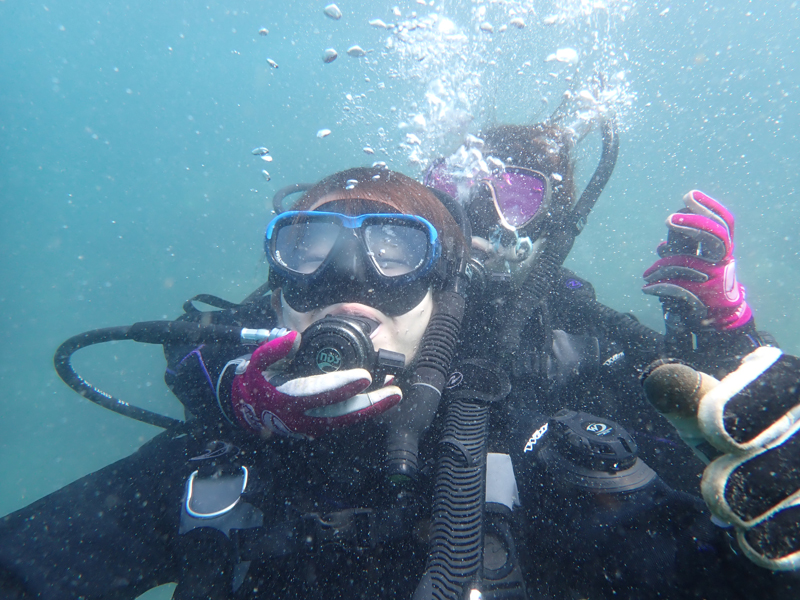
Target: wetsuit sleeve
107 535
620 335
193 371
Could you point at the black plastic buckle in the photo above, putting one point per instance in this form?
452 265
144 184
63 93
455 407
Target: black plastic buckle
345 529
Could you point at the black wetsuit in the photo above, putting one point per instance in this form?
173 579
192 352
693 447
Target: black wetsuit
123 530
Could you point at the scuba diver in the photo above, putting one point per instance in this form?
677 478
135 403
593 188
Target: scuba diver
384 440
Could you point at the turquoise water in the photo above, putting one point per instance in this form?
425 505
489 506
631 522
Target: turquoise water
127 182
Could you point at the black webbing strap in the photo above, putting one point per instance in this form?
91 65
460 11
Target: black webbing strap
353 529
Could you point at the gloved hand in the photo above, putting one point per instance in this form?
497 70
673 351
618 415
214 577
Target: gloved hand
305 407
697 264
749 424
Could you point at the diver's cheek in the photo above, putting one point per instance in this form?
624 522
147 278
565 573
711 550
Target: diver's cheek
296 321
405 332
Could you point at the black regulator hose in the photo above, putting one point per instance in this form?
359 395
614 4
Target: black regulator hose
531 293
281 194
148 332
409 419
600 177
63 365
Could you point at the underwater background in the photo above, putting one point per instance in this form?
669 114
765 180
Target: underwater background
127 182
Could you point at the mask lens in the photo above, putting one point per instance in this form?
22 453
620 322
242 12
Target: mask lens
518 196
302 247
396 249
378 259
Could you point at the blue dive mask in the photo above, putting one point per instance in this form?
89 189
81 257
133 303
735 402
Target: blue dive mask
386 261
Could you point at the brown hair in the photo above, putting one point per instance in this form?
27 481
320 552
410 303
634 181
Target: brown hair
365 185
541 147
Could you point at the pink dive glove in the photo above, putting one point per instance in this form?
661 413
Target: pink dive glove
305 407
697 265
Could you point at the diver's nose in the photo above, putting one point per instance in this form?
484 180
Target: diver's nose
350 264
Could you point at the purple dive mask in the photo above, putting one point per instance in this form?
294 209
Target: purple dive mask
519 194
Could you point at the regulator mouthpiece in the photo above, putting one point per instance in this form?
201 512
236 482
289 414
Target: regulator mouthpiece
338 343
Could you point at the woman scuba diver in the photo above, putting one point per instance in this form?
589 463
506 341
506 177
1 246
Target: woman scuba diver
329 467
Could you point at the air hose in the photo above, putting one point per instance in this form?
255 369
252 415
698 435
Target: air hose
409 419
148 332
600 177
531 293
281 194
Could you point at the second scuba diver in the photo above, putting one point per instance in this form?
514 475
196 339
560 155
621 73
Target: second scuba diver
407 476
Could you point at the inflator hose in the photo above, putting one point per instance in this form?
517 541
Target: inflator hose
148 332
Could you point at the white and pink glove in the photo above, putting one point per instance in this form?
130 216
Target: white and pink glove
306 407
697 264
